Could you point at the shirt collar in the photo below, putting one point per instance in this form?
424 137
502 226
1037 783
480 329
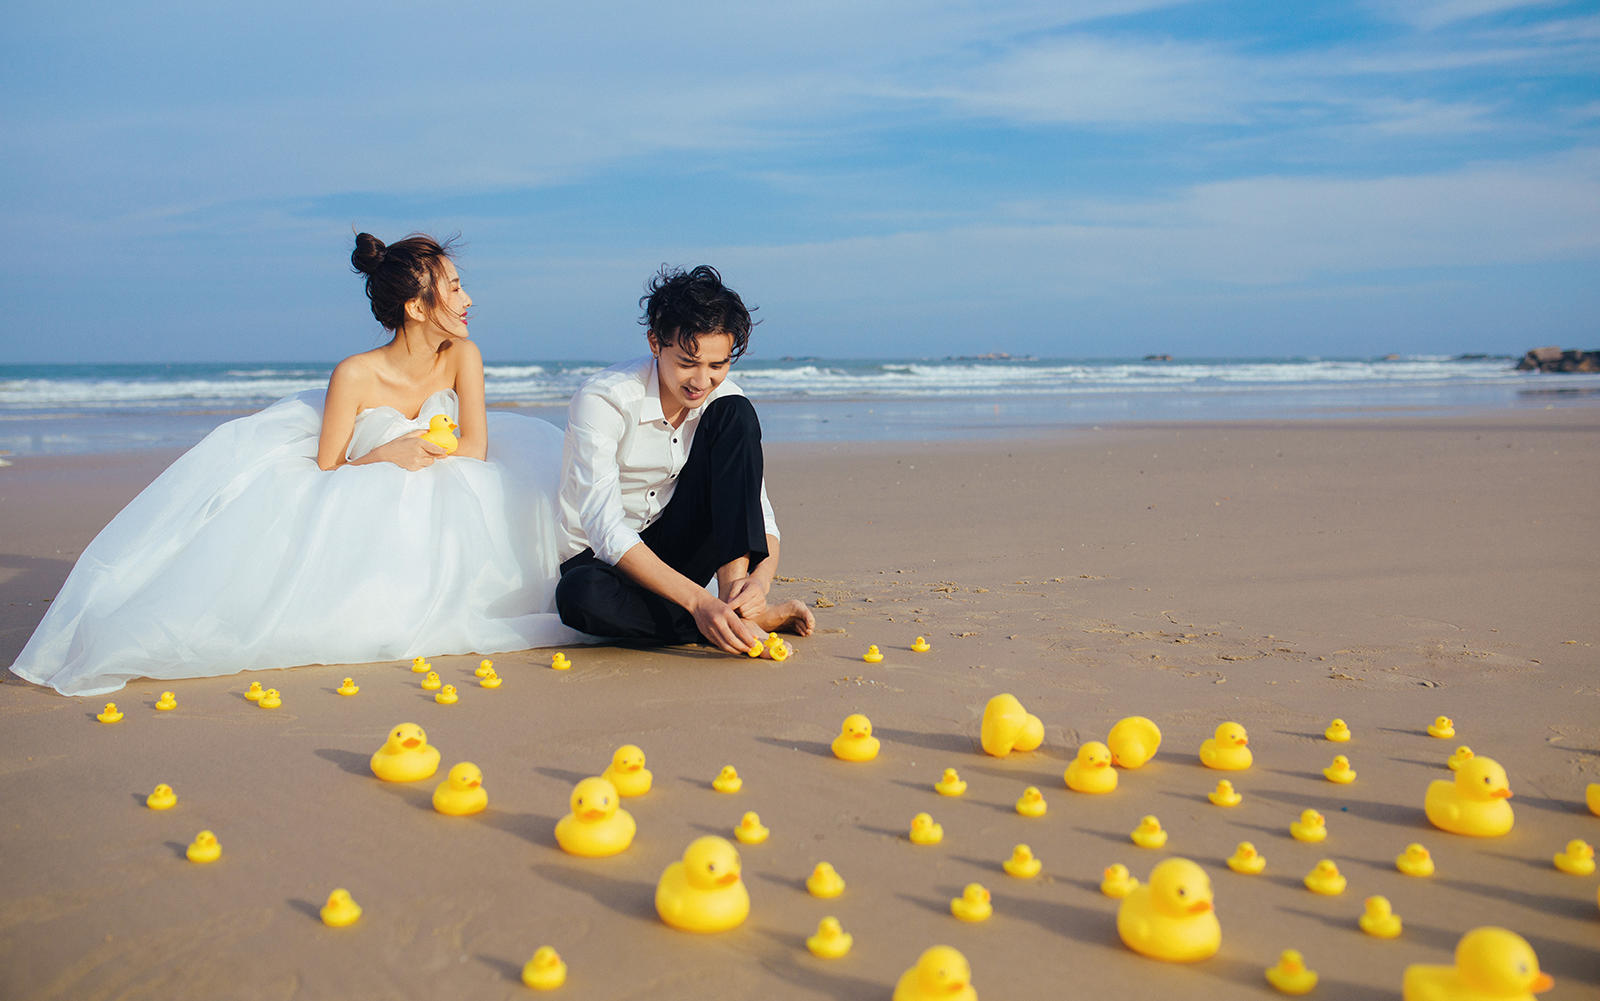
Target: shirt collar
650 411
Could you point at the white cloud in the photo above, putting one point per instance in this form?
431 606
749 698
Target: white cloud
1432 14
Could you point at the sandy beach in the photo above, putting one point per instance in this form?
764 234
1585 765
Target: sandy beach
1278 575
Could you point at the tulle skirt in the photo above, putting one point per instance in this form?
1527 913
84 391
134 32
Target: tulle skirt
245 555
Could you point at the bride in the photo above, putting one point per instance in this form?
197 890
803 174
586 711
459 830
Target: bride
325 529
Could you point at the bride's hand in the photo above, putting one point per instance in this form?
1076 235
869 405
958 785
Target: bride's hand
409 451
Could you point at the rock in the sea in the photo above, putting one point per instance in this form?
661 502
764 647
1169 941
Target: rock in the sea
1553 359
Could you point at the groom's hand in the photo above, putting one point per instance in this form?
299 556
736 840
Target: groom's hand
747 596
720 622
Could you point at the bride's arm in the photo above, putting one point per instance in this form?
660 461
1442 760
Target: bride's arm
474 421
338 414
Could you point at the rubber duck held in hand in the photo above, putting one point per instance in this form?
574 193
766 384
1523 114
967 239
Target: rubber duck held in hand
627 771
855 741
1133 740
1475 803
1091 770
462 792
1491 964
703 891
405 756
597 827
1008 727
1228 750
950 784
442 432
1171 917
1442 727
941 974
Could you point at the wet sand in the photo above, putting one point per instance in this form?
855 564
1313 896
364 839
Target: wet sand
1384 571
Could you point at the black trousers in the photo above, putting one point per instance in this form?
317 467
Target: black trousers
714 517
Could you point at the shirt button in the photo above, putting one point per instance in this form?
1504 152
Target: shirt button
674 441
652 493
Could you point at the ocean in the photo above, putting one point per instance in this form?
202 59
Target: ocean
81 408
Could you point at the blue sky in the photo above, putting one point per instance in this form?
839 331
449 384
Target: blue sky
902 177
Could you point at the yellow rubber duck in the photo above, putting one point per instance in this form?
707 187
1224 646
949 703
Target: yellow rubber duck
1577 859
420 665
973 905
1326 879
1133 740
559 662
831 940
727 780
1340 772
750 830
921 645
545 971
1117 882
447 696
1091 770
204 848
1378 919
1246 861
1022 863
1591 796
1172 917
1491 964
110 714
1031 803
1290 975
1008 727
167 702
1462 755
702 891
1338 731
627 771
824 881
432 682
1475 803
348 687
1228 751
924 831
254 692
941 974
270 699
597 826
873 655
1442 727
484 669
1414 861
855 741
1149 833
161 798
780 652
441 431
340 911
950 784
1224 794
1312 827
490 680
405 756
462 791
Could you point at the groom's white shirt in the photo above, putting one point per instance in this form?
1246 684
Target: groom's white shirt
621 459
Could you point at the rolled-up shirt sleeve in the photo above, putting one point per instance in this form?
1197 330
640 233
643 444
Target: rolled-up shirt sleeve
594 428
770 519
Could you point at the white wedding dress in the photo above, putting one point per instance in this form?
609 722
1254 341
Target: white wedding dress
245 555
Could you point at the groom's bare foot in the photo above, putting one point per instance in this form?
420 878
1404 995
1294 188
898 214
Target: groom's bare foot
791 616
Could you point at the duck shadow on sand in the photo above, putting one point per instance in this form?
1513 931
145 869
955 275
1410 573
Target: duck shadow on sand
938 740
534 828
812 977
1428 936
564 775
629 898
1399 815
814 747
506 968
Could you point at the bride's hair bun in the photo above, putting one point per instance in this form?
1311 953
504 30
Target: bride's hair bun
369 253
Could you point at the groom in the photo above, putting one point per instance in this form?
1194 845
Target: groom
662 485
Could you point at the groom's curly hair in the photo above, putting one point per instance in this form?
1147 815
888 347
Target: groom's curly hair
681 305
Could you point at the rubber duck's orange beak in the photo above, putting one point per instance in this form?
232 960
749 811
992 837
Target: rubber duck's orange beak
474 784
1100 764
1501 794
411 743
1542 982
728 880
594 815
1200 907
1244 741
